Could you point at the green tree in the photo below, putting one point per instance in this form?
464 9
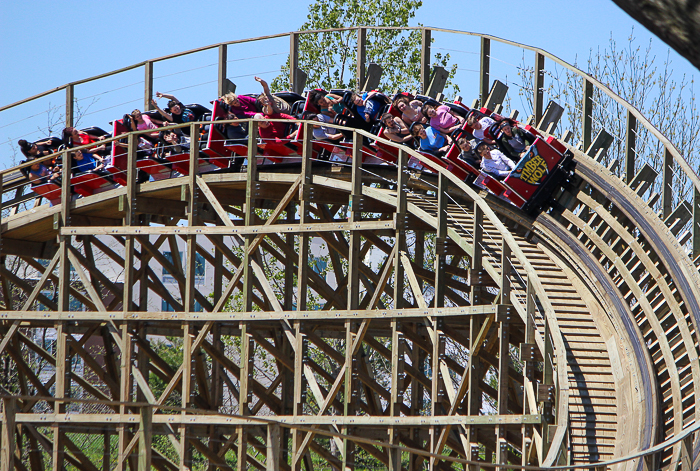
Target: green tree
329 58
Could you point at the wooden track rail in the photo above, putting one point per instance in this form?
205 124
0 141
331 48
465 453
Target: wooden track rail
317 315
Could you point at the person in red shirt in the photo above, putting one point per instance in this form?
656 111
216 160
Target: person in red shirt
273 130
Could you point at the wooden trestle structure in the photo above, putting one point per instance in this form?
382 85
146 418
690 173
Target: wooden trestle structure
458 331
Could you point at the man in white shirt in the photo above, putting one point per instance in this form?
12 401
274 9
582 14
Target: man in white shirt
479 126
493 161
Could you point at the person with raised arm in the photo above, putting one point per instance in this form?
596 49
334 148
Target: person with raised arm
179 113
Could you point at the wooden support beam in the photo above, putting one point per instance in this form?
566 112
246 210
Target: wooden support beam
538 83
587 111
440 242
425 58
223 63
145 438
484 70
148 85
70 106
667 185
361 57
630 147
7 434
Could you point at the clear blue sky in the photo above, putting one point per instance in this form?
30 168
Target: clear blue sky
45 44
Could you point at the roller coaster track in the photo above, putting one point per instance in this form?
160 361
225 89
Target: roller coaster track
445 327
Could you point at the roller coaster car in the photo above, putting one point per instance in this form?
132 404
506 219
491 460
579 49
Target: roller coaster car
289 97
51 191
546 165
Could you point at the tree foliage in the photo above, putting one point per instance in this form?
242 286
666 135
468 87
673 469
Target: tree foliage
329 58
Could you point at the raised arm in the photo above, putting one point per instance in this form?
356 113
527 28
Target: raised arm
166 116
166 96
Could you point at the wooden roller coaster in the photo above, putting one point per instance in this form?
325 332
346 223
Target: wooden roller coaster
357 316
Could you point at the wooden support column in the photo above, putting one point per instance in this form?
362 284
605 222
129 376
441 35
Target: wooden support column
354 262
527 356
349 395
696 223
294 63
441 242
437 387
503 355
125 383
145 434
192 209
304 206
272 461
587 118
397 391
129 219
148 86
400 240
70 104
300 350
223 61
7 434
476 323
630 147
245 393
361 57
63 305
484 70
426 39
250 193
185 450
667 190
538 92
355 206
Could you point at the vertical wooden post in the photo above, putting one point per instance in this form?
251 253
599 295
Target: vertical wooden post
7 435
70 103
696 223
667 190
361 57
223 61
397 390
355 203
124 391
250 193
503 355
587 118
272 461
304 206
129 219
348 450
192 218
148 86
294 63
299 393
400 241
484 70
441 242
145 434
245 393
475 324
426 39
630 147
185 449
538 92
527 357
